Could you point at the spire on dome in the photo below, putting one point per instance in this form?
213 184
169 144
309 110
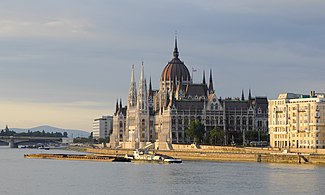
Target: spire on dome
176 54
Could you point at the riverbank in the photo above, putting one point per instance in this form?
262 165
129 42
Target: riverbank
230 154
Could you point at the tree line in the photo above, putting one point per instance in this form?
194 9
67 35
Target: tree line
7 132
216 136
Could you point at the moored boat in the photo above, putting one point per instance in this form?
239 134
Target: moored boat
44 148
150 156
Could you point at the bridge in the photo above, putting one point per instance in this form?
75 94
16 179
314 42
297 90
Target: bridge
14 141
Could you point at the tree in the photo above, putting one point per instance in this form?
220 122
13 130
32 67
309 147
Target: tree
65 134
216 136
213 136
196 131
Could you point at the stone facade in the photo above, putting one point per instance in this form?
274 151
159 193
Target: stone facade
297 121
160 117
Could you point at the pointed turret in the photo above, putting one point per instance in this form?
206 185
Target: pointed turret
249 94
142 94
211 82
116 107
150 88
242 95
132 99
203 77
120 110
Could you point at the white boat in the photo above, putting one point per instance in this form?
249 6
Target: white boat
145 155
44 148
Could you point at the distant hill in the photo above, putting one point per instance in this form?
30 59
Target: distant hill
72 133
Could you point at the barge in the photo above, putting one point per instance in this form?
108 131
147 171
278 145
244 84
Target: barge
87 157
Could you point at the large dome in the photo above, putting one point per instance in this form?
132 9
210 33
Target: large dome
175 69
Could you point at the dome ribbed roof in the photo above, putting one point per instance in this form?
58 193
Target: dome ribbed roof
175 69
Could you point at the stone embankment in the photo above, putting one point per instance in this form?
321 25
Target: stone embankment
219 153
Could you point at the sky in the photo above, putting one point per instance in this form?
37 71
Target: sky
65 62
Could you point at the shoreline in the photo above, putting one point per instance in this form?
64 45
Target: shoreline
228 154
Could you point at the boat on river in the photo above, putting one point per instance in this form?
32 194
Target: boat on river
44 148
150 156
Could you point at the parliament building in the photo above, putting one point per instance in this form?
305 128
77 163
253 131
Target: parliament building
159 117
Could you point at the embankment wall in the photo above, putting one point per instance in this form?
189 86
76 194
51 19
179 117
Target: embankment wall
230 154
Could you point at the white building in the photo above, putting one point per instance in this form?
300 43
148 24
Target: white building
297 121
67 140
102 127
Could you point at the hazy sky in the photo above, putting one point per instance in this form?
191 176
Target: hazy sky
65 62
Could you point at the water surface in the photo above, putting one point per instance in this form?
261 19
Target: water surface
42 176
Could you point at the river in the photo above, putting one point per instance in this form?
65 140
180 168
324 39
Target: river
39 176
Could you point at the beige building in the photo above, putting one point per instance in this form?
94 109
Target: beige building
297 121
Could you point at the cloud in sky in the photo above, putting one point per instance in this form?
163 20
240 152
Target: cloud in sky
56 53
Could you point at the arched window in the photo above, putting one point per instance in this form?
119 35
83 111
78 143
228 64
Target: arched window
250 121
186 120
237 120
207 120
143 125
173 121
244 121
231 120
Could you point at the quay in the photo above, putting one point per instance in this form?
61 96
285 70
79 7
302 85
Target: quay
230 154
79 157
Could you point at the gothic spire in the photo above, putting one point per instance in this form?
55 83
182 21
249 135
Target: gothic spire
242 95
132 99
176 54
211 82
249 94
120 104
142 94
150 88
116 107
203 77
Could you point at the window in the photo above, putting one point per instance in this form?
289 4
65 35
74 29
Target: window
121 124
250 121
244 121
